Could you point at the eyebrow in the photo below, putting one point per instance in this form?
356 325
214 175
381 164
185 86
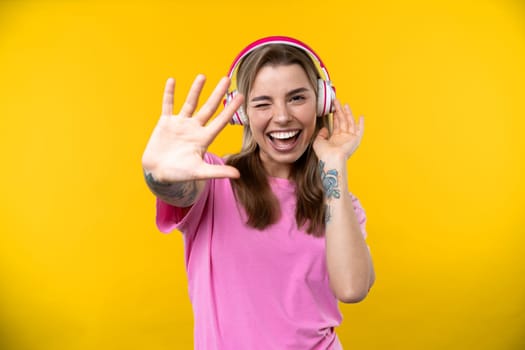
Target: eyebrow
288 94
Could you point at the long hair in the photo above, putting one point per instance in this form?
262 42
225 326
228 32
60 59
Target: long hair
252 188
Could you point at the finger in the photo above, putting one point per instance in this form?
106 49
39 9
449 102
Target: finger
339 117
361 127
167 99
193 97
210 171
350 118
207 110
219 122
345 122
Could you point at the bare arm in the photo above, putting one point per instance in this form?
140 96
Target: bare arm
172 162
179 194
348 258
349 263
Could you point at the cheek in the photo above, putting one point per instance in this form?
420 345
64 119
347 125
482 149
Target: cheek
309 119
258 121
307 113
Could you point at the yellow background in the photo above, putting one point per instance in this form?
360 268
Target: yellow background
440 170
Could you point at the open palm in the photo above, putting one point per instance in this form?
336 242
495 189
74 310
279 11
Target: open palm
176 148
345 138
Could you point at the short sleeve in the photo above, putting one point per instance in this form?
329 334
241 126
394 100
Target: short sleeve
360 214
170 217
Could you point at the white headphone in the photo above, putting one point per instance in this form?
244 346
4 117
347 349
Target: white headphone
325 90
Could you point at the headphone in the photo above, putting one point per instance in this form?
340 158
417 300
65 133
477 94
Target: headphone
325 90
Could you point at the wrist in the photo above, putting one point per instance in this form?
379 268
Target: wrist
333 161
333 178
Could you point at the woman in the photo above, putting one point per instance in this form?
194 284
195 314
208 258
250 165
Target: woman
273 237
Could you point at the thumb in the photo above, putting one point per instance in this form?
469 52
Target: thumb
210 171
320 140
323 133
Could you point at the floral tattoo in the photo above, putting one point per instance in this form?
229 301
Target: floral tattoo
329 181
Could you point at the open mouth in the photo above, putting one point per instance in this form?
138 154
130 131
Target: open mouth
284 140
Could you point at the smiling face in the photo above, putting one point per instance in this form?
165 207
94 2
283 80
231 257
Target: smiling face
281 109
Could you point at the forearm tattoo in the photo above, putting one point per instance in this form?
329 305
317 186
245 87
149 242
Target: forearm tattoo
183 193
330 182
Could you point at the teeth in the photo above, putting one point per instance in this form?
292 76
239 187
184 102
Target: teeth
281 135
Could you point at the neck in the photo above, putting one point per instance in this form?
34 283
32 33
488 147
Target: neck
278 170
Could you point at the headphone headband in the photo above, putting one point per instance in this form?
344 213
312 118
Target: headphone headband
277 40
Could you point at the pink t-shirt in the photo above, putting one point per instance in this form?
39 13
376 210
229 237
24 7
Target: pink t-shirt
254 289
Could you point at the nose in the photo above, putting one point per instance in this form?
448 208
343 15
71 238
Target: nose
281 114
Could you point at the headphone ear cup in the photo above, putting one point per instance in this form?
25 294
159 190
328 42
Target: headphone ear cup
325 98
239 117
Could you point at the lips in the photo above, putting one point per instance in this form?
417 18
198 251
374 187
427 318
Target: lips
284 141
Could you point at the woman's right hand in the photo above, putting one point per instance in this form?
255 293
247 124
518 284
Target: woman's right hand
176 148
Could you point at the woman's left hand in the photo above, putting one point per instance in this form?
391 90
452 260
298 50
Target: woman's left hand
345 138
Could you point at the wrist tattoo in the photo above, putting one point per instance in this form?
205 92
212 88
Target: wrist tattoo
330 181
183 193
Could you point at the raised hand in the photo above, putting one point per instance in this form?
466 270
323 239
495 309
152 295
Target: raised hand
177 145
345 138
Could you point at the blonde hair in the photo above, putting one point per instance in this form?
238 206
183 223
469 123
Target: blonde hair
252 188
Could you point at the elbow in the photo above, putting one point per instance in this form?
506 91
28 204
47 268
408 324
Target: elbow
353 288
352 296
354 292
